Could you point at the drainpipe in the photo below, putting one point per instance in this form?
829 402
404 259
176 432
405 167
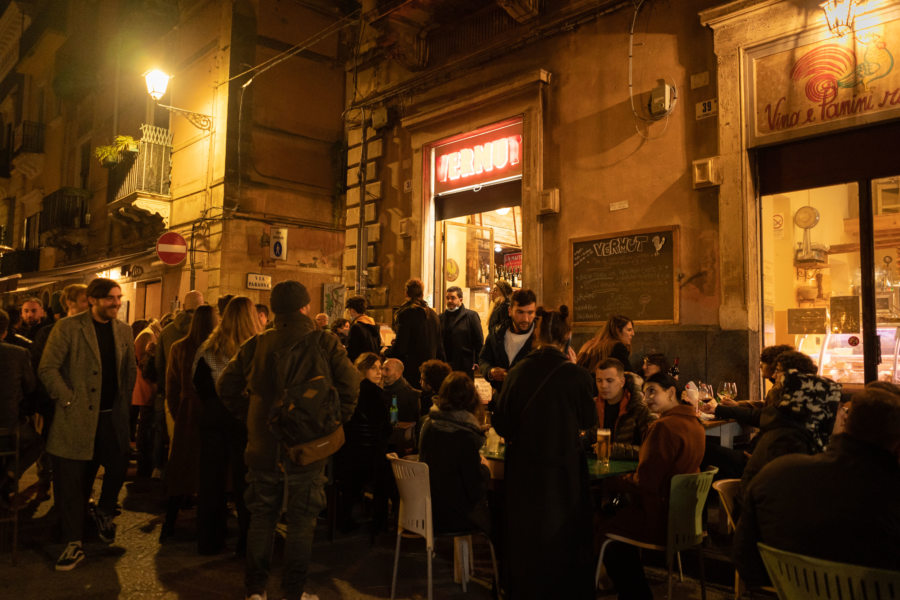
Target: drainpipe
362 251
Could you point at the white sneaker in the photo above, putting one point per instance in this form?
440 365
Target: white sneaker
71 556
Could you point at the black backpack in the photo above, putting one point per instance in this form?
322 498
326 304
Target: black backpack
307 421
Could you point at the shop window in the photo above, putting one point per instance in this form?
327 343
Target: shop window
813 277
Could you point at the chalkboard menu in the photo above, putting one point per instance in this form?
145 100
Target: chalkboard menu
630 273
807 320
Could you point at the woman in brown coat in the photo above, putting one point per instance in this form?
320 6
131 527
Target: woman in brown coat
674 445
185 407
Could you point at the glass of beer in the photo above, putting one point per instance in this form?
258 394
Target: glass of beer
603 446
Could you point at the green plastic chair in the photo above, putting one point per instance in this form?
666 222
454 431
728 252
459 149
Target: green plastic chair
687 496
798 577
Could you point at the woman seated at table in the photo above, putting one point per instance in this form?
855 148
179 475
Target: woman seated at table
674 445
450 440
801 421
731 462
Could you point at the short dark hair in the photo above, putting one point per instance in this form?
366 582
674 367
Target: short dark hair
357 303
659 359
455 289
262 308
338 323
100 287
458 393
366 361
415 288
792 359
4 320
770 353
875 417
433 372
666 382
611 363
523 297
222 303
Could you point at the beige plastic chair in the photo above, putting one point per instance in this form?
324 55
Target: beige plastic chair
728 489
799 577
414 487
687 496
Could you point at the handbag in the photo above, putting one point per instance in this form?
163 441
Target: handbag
316 450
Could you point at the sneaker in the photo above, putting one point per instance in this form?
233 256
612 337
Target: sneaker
106 528
257 596
306 596
71 556
156 474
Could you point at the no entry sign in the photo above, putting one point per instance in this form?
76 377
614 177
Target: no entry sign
171 248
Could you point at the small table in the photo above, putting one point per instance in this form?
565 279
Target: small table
724 429
596 472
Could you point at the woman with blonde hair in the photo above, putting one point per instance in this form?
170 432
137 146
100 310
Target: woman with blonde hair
222 437
612 341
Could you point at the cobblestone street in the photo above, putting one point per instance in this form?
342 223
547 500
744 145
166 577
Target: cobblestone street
136 567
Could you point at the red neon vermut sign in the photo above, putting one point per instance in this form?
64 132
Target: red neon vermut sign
479 159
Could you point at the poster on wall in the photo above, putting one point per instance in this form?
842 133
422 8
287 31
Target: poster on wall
630 273
333 299
812 85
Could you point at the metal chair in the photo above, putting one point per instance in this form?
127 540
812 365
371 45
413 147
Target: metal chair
414 486
799 577
12 516
687 496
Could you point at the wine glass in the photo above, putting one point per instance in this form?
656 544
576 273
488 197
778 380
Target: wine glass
724 391
732 389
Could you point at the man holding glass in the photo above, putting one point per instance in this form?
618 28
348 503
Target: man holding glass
621 409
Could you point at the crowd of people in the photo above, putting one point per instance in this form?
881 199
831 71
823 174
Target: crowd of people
211 400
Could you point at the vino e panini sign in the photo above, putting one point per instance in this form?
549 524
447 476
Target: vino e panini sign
630 273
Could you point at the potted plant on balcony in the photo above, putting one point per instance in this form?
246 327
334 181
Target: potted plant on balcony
111 154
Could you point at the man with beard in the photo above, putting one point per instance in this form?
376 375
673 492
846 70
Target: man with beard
509 343
461 333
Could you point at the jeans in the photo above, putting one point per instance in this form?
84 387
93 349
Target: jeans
265 497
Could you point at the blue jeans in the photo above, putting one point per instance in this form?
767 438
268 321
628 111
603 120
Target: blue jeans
265 497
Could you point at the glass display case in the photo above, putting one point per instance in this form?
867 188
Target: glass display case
841 355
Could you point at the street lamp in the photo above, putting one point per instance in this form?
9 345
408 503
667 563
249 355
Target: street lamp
840 14
157 82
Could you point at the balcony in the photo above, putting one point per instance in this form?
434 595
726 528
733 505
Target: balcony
66 208
19 261
142 179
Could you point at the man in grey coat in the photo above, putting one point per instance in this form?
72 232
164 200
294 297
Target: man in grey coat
89 369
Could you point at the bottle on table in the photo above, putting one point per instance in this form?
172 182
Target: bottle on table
674 371
395 411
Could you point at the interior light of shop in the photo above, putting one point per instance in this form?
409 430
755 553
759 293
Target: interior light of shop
157 82
502 211
840 15
498 248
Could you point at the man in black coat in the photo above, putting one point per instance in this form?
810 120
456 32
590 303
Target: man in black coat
365 335
509 344
842 505
418 330
461 333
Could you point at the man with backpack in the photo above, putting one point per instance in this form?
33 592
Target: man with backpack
294 386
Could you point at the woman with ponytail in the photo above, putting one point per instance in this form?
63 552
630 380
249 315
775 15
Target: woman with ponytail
545 402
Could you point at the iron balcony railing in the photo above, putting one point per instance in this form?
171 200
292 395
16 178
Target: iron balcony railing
19 261
149 170
66 208
28 137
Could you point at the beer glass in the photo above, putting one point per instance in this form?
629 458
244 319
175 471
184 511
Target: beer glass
603 446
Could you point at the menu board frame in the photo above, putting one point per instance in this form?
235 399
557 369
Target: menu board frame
673 230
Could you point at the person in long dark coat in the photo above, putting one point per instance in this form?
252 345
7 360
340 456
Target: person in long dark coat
418 331
461 333
544 403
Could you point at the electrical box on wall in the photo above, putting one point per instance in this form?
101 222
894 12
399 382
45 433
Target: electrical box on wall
662 99
549 202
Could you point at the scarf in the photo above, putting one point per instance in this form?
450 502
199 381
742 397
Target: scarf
811 401
216 363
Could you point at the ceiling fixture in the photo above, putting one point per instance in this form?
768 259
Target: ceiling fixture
502 211
840 14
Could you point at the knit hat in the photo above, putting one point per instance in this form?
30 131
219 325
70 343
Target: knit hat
289 297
